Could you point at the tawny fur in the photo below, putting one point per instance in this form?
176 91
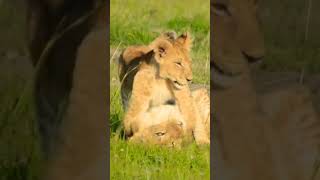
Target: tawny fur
132 56
171 119
190 111
167 133
165 69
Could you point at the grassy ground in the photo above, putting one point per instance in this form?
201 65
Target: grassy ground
140 23
132 161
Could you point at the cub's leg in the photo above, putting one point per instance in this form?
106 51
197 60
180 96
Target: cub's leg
139 101
202 102
189 111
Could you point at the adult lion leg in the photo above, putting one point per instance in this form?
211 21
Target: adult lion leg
54 78
294 131
82 153
241 125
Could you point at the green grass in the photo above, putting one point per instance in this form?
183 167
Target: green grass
139 23
132 161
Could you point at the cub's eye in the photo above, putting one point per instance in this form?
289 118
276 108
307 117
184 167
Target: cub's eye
179 123
220 9
160 133
178 63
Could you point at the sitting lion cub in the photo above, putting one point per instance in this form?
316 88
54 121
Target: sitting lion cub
161 77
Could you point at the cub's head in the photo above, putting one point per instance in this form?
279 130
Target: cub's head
172 56
168 133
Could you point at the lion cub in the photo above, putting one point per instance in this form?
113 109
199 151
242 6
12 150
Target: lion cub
161 76
170 131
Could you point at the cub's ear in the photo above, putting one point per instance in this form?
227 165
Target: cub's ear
160 48
170 35
185 40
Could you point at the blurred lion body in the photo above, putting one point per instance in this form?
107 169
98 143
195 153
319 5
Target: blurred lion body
275 132
53 41
66 40
293 130
237 41
82 149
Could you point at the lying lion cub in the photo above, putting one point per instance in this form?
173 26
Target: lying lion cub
170 132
